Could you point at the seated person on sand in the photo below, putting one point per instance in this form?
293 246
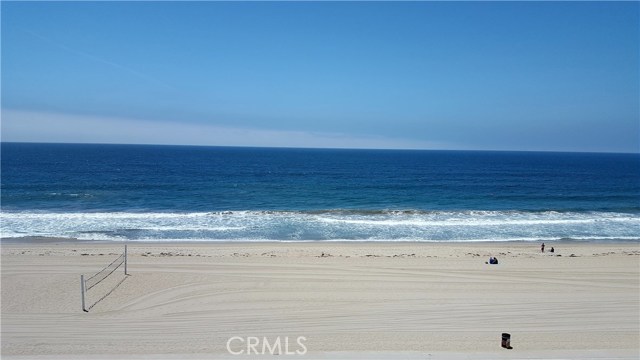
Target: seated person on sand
492 260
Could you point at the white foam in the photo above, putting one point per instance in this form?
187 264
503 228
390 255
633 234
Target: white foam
340 226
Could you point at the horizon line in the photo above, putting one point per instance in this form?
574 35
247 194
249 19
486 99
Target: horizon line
318 148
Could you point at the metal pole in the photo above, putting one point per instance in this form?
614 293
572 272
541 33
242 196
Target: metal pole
125 259
82 292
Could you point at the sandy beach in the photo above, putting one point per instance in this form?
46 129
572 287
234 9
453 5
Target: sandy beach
347 300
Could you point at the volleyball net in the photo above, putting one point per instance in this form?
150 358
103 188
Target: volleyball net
89 282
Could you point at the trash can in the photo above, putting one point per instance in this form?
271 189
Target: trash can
506 341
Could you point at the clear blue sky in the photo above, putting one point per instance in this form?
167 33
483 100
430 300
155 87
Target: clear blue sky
442 75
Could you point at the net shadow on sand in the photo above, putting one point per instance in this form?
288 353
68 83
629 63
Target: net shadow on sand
117 285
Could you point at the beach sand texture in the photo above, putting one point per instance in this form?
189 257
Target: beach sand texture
359 300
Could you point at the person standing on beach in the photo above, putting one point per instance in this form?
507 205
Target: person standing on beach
542 247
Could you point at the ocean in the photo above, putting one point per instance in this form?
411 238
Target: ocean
186 193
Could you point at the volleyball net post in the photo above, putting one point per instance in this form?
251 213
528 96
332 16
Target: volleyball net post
82 291
88 283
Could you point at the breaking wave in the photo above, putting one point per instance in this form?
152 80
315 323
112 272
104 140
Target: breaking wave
325 225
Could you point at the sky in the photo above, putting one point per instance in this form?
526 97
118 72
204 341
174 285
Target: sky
531 76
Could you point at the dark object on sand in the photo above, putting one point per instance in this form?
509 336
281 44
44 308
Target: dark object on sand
552 250
506 341
493 260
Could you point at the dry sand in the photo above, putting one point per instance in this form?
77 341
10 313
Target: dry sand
358 301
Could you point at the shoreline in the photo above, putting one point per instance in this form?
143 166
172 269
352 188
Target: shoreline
69 240
301 249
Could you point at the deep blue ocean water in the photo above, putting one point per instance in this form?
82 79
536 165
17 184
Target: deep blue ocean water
156 193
